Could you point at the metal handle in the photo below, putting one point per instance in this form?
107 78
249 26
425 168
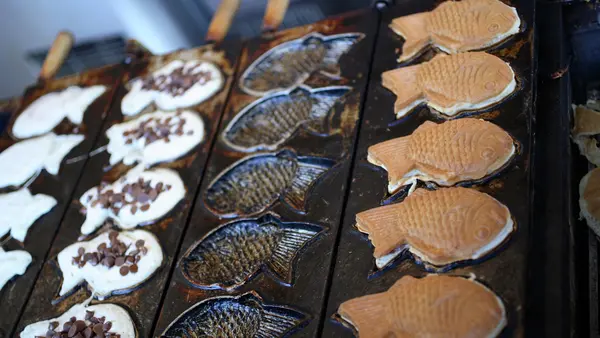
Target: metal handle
274 14
56 55
221 22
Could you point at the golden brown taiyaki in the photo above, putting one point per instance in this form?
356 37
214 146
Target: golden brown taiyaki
432 306
457 26
589 199
439 227
451 84
447 153
586 128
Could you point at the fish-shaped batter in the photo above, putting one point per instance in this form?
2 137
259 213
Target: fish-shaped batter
179 84
22 160
457 26
589 199
94 321
20 209
432 306
12 263
291 63
155 137
254 183
586 128
245 315
451 84
231 254
268 122
112 262
439 227
446 153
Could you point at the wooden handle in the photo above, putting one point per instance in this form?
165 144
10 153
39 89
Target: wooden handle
221 22
56 55
274 14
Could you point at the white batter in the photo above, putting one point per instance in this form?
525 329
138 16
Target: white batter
19 209
116 315
159 150
12 263
137 99
48 111
166 200
22 160
101 279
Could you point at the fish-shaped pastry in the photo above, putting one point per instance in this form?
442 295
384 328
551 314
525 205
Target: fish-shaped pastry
245 315
155 137
268 122
12 263
291 63
113 262
447 153
456 27
49 110
586 128
233 253
20 209
84 320
589 199
432 306
24 159
451 84
438 227
254 183
179 84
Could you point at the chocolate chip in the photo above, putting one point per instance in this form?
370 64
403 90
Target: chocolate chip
168 187
159 186
129 141
144 250
101 319
124 270
78 335
145 207
110 261
139 243
130 259
53 325
94 260
89 314
107 326
78 326
134 209
113 235
190 132
102 246
88 256
87 333
153 194
133 268
99 330
119 261
80 251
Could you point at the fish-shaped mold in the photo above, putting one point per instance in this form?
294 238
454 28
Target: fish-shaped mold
291 63
24 159
457 26
432 306
233 253
268 122
235 316
12 263
49 110
111 263
439 227
451 84
20 209
447 153
254 183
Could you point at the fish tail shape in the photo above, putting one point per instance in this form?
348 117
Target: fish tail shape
322 111
302 183
392 156
364 313
63 144
336 47
413 28
381 224
404 84
277 321
293 240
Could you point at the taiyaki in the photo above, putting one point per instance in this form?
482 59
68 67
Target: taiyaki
586 127
291 63
451 84
589 199
457 26
231 254
155 137
447 153
439 227
12 263
84 320
49 110
255 182
111 262
432 306
179 84
137 198
22 160
270 121
235 316
20 209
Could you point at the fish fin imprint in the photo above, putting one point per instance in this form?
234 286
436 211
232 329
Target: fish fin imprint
306 175
365 314
322 110
404 84
336 47
393 156
413 28
278 321
293 240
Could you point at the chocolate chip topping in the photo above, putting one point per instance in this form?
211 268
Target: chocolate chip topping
137 196
156 128
178 81
91 327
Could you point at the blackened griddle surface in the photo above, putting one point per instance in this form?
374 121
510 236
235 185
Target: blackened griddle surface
15 293
143 303
505 271
325 202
